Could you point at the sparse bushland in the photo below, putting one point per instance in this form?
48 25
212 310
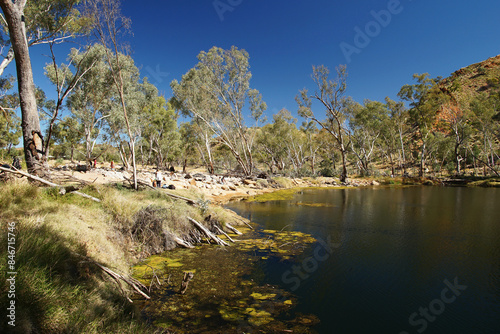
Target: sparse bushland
57 289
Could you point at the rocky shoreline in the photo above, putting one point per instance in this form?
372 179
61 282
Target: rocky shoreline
219 188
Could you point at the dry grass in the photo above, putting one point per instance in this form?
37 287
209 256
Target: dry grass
56 291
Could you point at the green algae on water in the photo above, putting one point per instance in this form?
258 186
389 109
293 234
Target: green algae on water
279 195
226 294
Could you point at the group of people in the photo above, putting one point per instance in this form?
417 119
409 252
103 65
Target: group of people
94 164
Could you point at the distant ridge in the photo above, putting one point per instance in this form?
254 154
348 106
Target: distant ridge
468 82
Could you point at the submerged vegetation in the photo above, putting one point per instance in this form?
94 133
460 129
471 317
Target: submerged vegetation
226 294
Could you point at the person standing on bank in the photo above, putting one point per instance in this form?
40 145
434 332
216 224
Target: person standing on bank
158 178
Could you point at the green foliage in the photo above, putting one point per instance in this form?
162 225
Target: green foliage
68 135
215 93
10 123
161 134
326 168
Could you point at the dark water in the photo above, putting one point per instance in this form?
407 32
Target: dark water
407 260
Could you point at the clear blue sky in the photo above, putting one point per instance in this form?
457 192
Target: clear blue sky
285 38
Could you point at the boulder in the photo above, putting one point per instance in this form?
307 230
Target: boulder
199 177
249 182
82 168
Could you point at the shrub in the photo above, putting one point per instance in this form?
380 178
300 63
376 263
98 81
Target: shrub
327 172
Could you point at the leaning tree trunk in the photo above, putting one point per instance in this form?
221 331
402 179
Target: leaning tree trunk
33 147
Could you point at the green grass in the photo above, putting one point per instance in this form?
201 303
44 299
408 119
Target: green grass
58 292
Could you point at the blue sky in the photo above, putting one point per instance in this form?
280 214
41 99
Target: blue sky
285 38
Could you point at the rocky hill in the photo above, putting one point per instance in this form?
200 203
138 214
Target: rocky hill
468 82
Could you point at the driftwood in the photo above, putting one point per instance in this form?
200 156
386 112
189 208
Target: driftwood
209 234
185 281
247 224
51 184
233 229
135 284
222 232
183 243
130 281
188 200
154 280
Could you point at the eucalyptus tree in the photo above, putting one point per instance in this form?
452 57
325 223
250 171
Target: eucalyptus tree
274 141
366 125
91 98
160 130
424 99
215 92
484 113
68 134
138 95
190 144
312 145
294 141
453 120
78 75
394 132
45 22
109 27
331 95
27 24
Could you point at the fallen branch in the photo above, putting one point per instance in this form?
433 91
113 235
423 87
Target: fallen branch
142 183
130 281
158 283
135 284
238 218
247 224
51 184
183 243
233 229
222 232
188 200
185 281
209 234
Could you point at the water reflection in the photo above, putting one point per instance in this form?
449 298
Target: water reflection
397 247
